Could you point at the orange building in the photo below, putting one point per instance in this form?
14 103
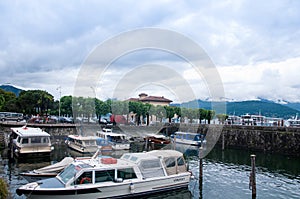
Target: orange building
154 100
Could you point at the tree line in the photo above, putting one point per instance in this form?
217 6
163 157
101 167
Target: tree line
38 102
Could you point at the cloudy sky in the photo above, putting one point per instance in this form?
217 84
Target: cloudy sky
254 45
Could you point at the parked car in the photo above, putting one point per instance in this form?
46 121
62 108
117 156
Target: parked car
36 119
65 120
51 119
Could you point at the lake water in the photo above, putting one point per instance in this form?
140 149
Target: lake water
225 173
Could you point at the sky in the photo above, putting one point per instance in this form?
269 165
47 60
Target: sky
252 48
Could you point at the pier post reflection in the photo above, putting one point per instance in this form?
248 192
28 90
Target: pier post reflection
252 177
200 174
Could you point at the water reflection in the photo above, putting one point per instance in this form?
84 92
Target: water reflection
225 173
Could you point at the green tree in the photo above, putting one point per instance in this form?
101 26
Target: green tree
89 108
146 112
170 111
160 112
35 102
66 105
222 118
209 114
77 104
119 107
137 109
202 114
102 108
8 101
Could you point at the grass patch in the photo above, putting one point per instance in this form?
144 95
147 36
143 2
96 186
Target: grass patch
3 189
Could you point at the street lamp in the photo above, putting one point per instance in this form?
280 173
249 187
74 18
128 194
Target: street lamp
59 88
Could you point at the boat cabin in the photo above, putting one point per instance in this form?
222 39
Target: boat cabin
130 166
83 144
157 163
110 136
118 141
28 140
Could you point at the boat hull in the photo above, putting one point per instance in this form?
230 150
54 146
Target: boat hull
122 146
81 149
188 142
116 190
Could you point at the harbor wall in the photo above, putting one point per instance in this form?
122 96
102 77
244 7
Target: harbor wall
282 140
269 139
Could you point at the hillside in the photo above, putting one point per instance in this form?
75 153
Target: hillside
12 89
266 108
294 106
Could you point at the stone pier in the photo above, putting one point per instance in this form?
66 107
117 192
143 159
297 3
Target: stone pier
282 140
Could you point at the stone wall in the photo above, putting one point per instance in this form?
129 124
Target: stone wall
283 140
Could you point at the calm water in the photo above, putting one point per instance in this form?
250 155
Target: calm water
225 173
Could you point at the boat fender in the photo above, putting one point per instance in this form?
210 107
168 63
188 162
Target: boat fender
131 187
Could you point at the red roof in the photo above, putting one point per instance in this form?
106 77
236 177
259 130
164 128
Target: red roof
155 99
150 99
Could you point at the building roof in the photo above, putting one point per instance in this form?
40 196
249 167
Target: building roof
146 98
155 99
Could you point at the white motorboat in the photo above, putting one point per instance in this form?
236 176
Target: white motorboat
83 144
133 175
188 138
293 122
29 141
118 141
48 171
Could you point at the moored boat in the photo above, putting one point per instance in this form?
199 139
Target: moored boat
293 122
188 138
29 141
82 144
157 139
118 141
48 171
134 174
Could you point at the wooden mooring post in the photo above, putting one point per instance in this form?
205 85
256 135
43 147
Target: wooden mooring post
146 144
223 141
174 142
252 183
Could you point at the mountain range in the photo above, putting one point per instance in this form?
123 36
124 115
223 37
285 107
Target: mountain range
10 88
280 109
253 107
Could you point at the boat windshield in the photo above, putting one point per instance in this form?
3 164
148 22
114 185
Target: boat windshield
68 173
